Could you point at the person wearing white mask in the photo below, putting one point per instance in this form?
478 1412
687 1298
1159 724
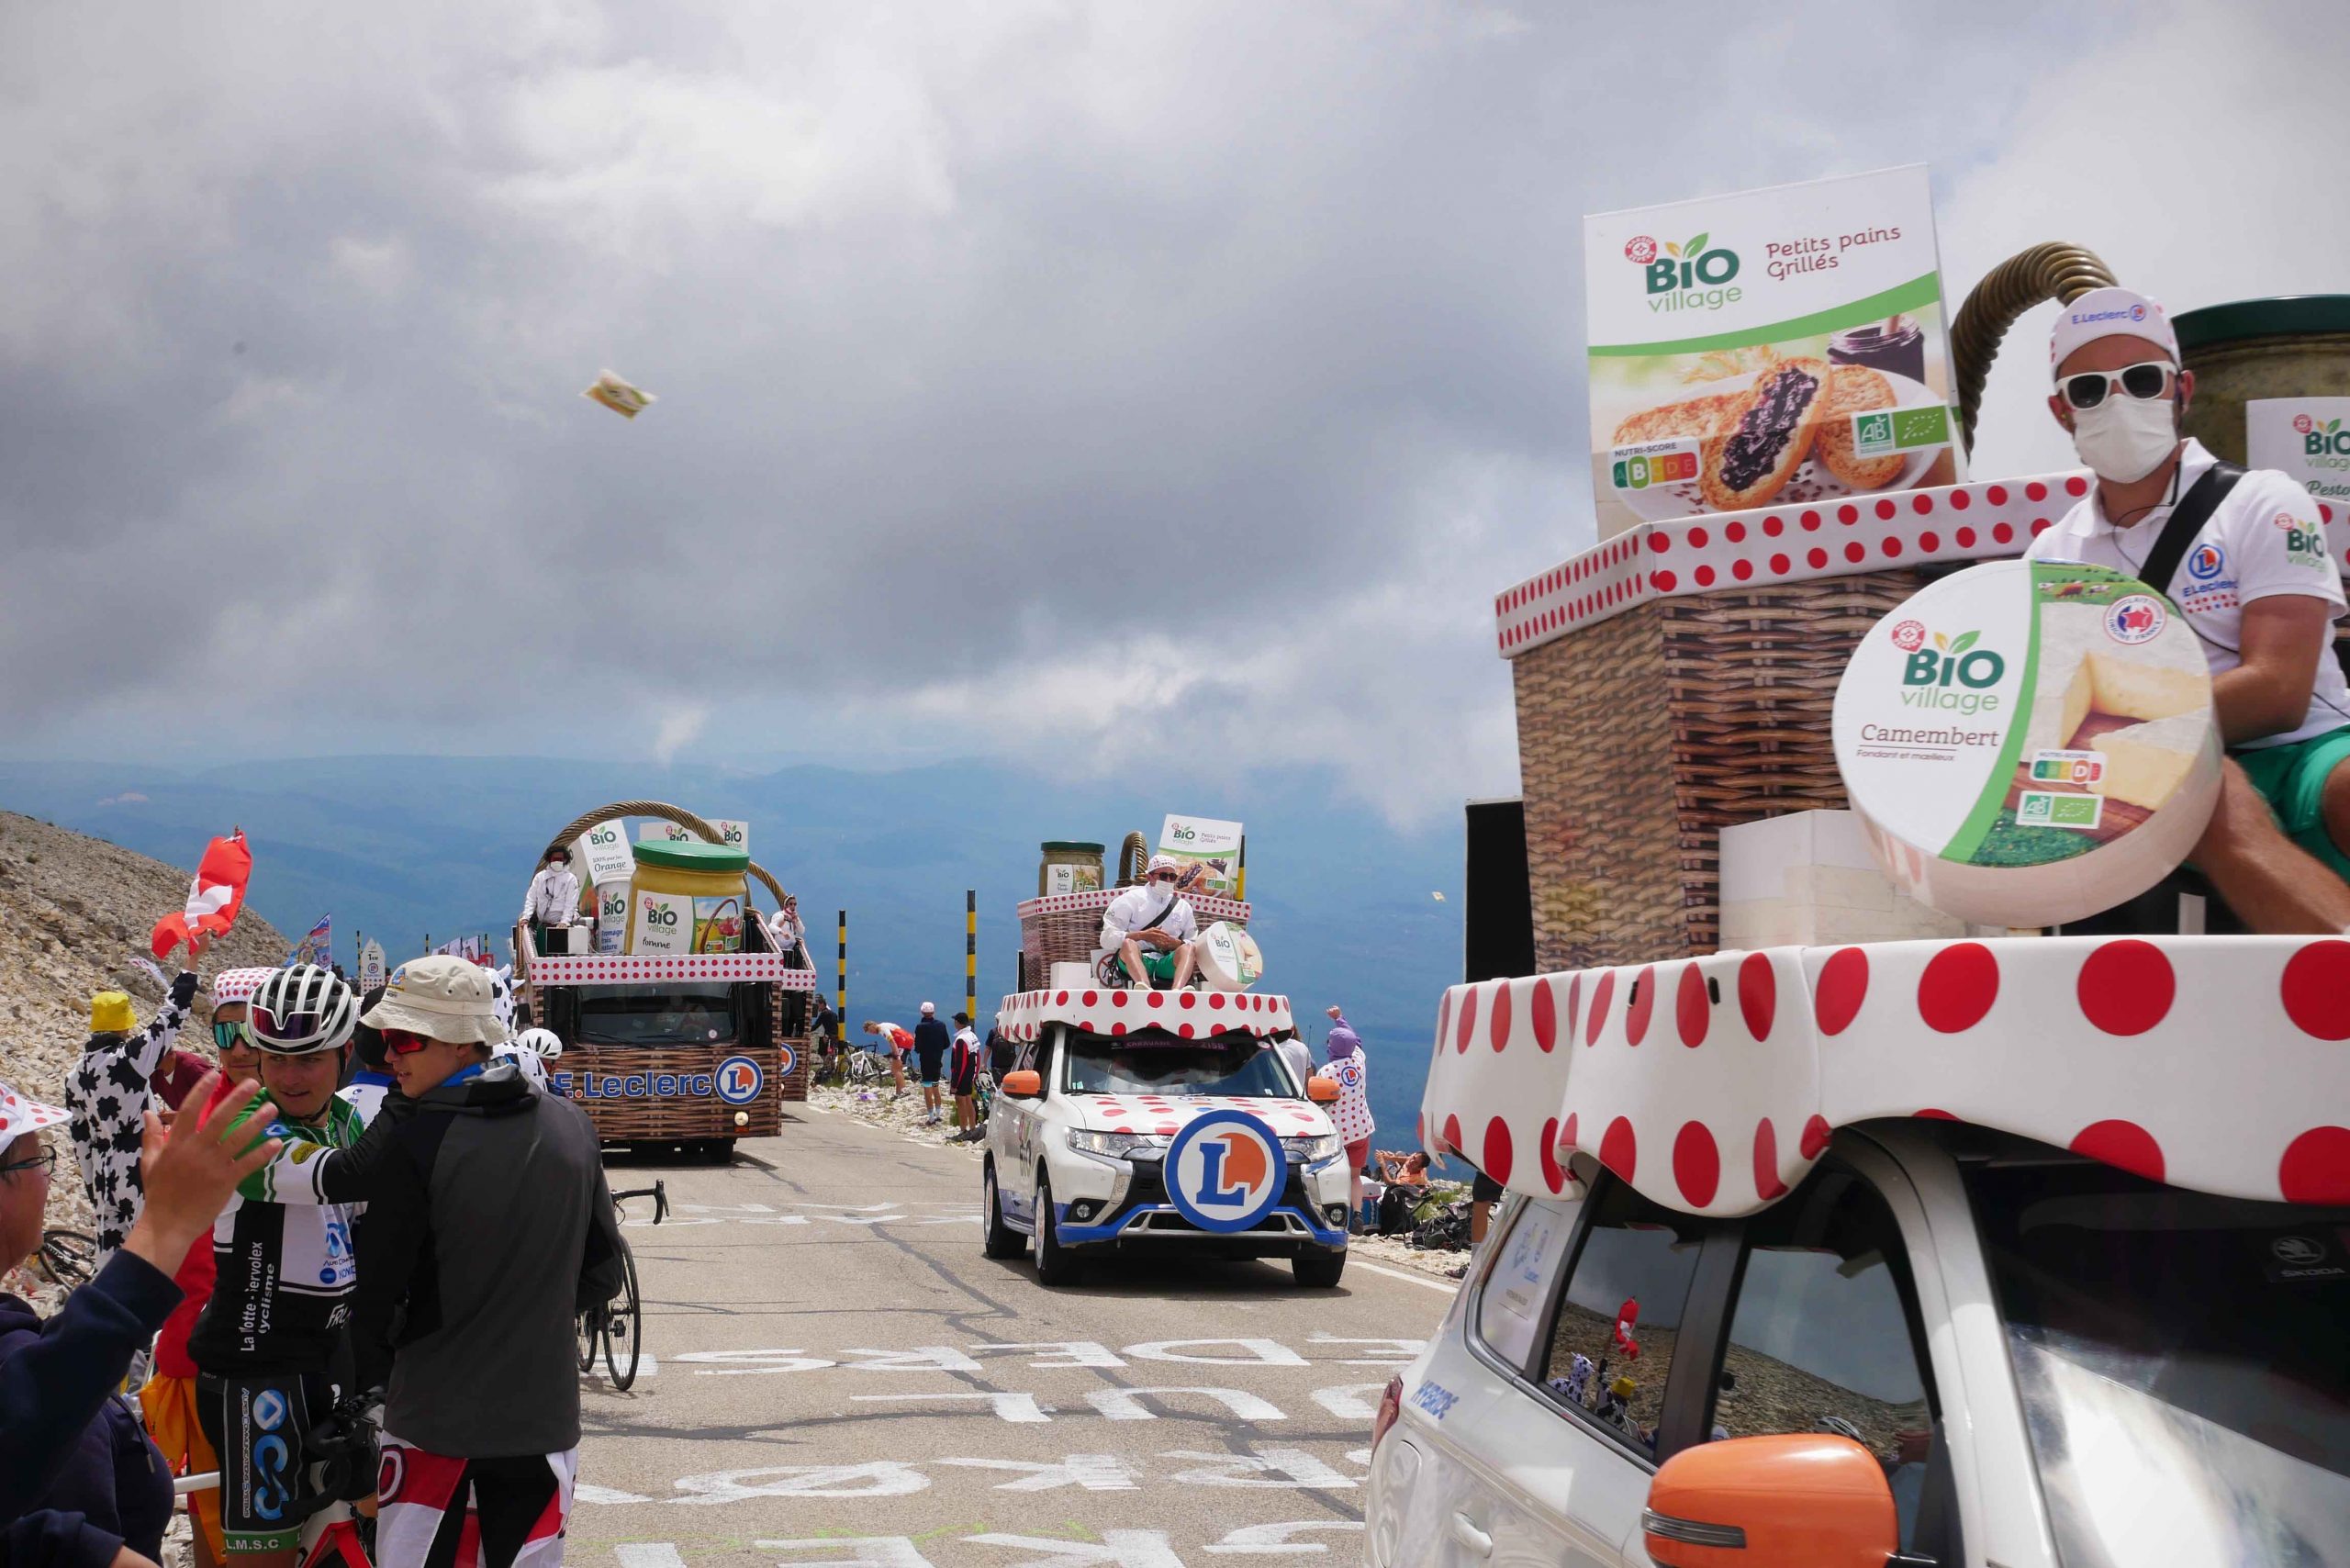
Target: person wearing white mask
2246 564
553 901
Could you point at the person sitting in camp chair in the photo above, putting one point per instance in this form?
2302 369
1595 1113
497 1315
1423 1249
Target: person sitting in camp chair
1148 931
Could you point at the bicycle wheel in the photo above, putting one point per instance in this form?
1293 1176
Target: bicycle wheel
624 1326
591 1323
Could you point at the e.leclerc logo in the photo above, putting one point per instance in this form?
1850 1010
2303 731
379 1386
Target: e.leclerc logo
739 1081
1954 673
1686 275
1226 1171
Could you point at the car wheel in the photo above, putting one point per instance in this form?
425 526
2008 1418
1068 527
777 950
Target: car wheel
1319 1270
997 1239
1054 1265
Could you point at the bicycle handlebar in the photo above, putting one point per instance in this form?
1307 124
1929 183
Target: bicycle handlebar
658 1192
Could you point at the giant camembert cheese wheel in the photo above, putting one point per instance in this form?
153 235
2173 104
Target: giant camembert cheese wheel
2028 743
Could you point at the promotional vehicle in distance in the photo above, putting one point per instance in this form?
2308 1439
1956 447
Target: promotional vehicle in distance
1141 1123
1923 1252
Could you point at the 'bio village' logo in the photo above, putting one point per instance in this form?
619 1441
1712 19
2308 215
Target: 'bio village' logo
2325 445
1694 275
1928 674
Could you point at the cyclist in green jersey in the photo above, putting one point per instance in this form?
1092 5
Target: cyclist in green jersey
275 1334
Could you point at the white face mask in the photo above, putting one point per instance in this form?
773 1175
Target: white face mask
2125 438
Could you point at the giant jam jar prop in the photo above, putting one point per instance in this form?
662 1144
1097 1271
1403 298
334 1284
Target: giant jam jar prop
2028 743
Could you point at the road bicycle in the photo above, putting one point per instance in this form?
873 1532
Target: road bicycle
619 1324
67 1257
866 1068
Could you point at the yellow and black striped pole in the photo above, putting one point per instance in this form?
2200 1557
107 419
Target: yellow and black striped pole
972 954
840 997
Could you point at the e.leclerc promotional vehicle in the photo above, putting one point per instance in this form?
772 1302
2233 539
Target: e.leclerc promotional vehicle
1153 1121
2024 1253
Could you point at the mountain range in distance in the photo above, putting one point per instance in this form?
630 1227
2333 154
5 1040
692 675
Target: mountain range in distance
398 847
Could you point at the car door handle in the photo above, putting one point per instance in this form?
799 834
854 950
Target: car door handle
1465 1531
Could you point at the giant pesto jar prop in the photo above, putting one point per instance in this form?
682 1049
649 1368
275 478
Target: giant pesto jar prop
2027 744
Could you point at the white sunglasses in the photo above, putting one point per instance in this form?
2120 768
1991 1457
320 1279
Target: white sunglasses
2145 381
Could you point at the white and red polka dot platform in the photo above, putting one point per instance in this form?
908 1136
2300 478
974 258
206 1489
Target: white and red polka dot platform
1712 1085
612 968
1785 545
1206 907
1187 1015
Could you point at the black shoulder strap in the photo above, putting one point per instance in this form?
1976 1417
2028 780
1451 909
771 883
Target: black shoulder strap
2187 520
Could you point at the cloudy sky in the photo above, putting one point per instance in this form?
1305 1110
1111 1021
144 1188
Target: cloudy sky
1029 374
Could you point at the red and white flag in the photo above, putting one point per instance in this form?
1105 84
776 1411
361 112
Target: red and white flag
214 897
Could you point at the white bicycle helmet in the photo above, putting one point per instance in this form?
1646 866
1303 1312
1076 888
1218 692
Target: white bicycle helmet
300 1010
544 1043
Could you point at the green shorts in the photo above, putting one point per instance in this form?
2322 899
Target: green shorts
2292 778
1158 966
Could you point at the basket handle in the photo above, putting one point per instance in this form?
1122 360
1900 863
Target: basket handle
2053 271
1132 856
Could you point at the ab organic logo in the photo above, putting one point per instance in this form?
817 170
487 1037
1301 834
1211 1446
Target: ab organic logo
1690 274
1928 674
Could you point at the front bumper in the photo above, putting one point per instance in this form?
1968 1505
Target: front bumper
1136 1215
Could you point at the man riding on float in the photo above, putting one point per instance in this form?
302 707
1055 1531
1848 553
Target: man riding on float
1148 931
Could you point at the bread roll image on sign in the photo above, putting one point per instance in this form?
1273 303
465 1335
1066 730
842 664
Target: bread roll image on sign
2028 743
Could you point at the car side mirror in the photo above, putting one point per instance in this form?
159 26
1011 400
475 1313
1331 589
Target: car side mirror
1024 1085
1802 1500
1322 1091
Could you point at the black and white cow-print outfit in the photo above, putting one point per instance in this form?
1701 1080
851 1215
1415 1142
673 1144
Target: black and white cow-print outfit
107 1095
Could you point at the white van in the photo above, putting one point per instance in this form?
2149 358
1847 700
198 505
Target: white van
1935 1339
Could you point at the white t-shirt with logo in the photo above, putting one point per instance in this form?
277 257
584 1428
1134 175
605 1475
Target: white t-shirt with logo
2263 540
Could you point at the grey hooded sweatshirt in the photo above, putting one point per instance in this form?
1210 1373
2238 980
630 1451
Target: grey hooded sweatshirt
489 1226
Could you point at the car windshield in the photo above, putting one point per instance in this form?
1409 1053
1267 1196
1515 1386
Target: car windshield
687 1013
1152 1061
2183 1361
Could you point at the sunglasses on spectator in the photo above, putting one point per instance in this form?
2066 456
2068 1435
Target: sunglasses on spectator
400 1043
2146 380
45 1161
226 1036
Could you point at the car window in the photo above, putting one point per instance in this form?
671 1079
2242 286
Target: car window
1153 1061
1530 1244
1611 1344
1819 1339
692 1012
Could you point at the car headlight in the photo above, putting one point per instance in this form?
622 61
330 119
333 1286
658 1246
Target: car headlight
1313 1150
1112 1146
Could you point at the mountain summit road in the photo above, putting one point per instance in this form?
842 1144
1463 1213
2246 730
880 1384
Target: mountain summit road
834 1374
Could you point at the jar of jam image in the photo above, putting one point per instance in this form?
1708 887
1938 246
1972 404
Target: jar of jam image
1896 345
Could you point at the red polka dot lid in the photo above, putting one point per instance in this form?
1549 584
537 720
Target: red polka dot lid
1187 1015
1779 545
614 968
1713 1084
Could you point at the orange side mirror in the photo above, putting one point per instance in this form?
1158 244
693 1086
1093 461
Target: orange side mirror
1321 1090
1804 1500
1024 1085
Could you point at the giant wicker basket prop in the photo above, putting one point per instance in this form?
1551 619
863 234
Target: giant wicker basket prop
1064 927
629 1114
1622 811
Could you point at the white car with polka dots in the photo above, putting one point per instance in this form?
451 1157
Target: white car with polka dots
2031 1253
1143 1123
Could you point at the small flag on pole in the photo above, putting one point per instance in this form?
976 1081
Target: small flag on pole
317 948
620 396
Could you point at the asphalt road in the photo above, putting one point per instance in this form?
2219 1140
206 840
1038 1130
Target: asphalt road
838 1376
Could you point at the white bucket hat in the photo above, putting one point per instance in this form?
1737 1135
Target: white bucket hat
442 997
19 1115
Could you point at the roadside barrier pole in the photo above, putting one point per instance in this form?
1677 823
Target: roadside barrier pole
972 954
840 998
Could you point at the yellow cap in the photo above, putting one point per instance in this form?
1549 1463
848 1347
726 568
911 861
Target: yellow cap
1623 1388
110 1013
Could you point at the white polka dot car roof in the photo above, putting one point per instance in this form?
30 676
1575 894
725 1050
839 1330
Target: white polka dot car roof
1712 1085
1189 1014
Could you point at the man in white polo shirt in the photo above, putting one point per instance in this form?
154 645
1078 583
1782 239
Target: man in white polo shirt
2256 584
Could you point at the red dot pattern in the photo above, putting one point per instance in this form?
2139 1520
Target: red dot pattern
1025 1017
1934 1010
1698 553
